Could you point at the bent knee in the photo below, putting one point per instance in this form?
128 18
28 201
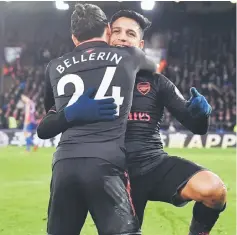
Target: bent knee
213 188
206 186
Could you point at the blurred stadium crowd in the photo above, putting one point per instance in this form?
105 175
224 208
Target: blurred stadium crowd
201 54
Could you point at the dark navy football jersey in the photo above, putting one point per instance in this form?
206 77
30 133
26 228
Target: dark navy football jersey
112 71
153 93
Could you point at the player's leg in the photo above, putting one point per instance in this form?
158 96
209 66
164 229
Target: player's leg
34 127
209 192
67 209
28 132
109 199
29 140
139 189
27 126
182 181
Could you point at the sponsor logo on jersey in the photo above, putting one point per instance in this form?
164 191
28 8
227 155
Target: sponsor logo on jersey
139 116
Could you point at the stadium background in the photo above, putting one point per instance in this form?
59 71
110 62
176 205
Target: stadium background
195 44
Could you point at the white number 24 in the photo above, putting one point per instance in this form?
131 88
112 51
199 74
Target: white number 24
79 87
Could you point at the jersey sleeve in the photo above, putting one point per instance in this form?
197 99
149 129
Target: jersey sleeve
48 91
52 124
142 61
174 101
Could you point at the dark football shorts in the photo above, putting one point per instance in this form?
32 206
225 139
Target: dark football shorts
162 183
80 185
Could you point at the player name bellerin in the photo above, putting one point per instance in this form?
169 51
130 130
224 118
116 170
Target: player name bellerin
109 56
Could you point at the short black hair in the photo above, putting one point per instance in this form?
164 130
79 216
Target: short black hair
142 21
88 21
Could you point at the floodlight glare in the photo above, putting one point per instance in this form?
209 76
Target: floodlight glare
61 5
147 5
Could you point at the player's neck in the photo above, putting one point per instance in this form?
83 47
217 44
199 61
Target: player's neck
92 40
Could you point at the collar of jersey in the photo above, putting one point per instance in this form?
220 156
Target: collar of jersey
87 45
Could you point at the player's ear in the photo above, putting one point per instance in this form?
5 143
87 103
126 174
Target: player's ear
141 44
107 33
108 30
75 41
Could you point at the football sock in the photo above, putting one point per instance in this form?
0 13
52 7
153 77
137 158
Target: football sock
204 218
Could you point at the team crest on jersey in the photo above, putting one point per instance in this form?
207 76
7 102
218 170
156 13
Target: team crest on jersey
144 87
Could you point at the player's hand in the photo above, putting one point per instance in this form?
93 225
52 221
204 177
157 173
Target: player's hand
198 105
87 109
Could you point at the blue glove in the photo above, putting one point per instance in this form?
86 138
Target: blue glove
87 110
198 105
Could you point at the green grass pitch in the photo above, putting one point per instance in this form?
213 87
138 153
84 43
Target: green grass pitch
24 192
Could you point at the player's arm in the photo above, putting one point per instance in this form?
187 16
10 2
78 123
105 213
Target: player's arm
142 61
84 111
52 124
48 91
179 107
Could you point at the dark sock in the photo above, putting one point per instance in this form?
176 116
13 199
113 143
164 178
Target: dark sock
204 218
